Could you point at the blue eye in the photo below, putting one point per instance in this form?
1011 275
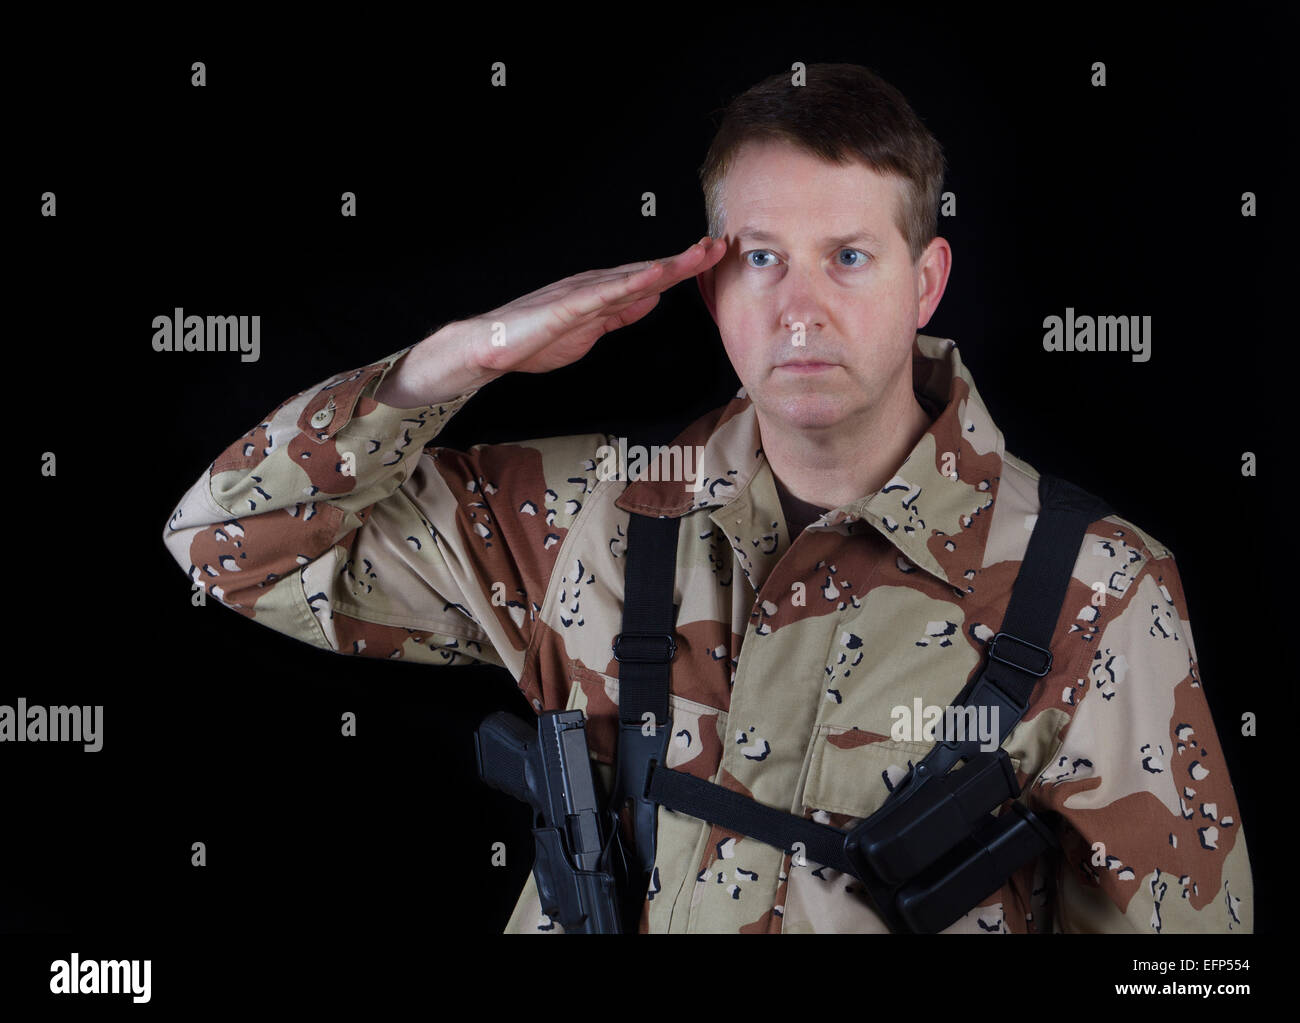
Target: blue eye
862 260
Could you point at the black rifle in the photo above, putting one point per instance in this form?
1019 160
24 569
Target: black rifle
578 852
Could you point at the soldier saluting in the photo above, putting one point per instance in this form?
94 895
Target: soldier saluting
850 551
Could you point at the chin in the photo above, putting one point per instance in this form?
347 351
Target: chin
806 411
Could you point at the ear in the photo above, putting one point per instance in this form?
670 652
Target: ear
933 269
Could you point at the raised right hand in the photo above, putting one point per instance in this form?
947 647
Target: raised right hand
541 331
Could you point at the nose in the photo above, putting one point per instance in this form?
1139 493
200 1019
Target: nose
801 302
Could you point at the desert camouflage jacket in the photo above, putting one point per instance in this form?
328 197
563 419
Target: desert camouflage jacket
339 521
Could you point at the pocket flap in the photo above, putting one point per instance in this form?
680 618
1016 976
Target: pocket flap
852 771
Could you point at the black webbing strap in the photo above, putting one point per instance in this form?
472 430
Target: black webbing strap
688 794
647 643
644 651
1020 655
1040 585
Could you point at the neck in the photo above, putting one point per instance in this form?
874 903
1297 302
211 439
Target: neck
831 466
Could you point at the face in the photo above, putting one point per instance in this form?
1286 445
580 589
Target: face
814 244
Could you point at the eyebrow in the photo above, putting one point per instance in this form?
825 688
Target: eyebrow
759 235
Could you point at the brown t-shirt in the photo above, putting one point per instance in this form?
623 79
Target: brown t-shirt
798 514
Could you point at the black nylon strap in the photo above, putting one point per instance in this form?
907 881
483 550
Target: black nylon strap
1044 576
1019 656
648 612
644 649
679 791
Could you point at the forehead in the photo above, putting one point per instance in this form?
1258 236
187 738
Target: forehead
775 184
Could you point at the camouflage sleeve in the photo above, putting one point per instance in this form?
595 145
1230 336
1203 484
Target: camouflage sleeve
331 523
1153 838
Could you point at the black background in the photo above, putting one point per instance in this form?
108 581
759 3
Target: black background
225 200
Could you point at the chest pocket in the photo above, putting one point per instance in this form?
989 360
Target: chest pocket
694 747
852 772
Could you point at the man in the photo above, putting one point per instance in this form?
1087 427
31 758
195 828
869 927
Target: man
853 528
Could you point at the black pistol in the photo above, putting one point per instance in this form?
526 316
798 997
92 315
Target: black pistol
578 854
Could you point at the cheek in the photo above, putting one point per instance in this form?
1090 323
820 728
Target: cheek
731 303
739 350
740 326
736 292
901 298
886 315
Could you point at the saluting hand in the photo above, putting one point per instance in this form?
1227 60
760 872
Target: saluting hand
541 331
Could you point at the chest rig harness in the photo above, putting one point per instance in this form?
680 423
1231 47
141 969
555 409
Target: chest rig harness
934 849
931 852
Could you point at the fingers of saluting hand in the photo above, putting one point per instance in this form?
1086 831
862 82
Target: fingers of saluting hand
699 257
635 281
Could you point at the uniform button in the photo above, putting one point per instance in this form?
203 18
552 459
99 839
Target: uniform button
324 417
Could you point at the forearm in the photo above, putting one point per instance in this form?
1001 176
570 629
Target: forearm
284 494
435 371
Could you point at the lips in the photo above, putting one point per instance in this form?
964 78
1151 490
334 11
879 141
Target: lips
806 367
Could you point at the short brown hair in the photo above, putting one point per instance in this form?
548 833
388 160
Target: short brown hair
843 112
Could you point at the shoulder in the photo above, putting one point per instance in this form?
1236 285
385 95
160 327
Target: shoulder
1018 500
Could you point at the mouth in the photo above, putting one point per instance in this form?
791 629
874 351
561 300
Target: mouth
806 367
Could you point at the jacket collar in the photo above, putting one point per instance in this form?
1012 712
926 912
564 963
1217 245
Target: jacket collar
935 510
